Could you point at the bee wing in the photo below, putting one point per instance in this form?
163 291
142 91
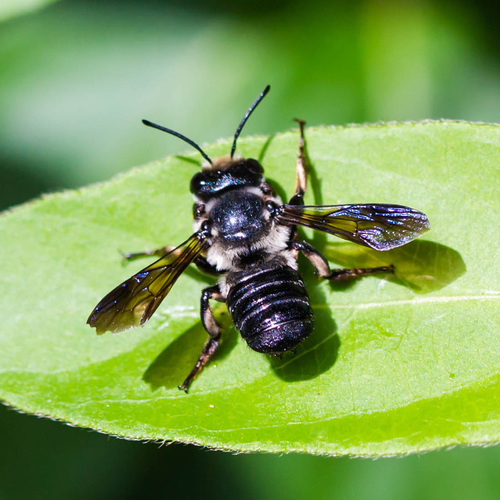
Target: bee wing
381 227
133 302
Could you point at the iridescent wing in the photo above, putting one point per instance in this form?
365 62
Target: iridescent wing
381 227
133 302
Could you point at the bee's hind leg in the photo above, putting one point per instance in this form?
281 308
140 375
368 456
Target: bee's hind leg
323 268
349 274
213 329
301 168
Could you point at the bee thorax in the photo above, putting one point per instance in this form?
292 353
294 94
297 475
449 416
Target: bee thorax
239 219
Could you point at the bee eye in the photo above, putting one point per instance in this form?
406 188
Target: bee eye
254 166
272 208
206 227
198 210
198 182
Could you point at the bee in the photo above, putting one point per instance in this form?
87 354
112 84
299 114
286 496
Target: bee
245 235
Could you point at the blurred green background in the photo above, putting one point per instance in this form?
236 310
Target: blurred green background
76 77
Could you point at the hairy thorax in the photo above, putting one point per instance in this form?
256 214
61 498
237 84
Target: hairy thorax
244 233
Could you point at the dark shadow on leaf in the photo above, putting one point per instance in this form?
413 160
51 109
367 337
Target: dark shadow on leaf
319 238
200 276
188 159
276 187
316 354
264 149
174 363
424 266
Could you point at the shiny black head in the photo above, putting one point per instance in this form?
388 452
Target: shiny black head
239 218
231 174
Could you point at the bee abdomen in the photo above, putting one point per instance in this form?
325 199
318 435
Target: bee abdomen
270 307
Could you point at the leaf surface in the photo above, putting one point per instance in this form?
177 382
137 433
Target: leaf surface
395 364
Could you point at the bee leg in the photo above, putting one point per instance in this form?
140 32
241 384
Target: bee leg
159 252
213 329
301 169
206 354
201 262
323 268
349 274
207 316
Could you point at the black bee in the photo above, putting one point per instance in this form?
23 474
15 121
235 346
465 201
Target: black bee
246 235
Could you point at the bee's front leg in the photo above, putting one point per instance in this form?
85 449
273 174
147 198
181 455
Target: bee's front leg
159 252
200 261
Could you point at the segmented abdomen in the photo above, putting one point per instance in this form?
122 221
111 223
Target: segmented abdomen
270 307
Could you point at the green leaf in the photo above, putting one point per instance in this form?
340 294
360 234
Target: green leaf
395 365
12 8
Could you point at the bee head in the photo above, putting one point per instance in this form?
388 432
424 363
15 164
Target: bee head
225 174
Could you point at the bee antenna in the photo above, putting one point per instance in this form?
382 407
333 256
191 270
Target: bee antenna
247 116
180 136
